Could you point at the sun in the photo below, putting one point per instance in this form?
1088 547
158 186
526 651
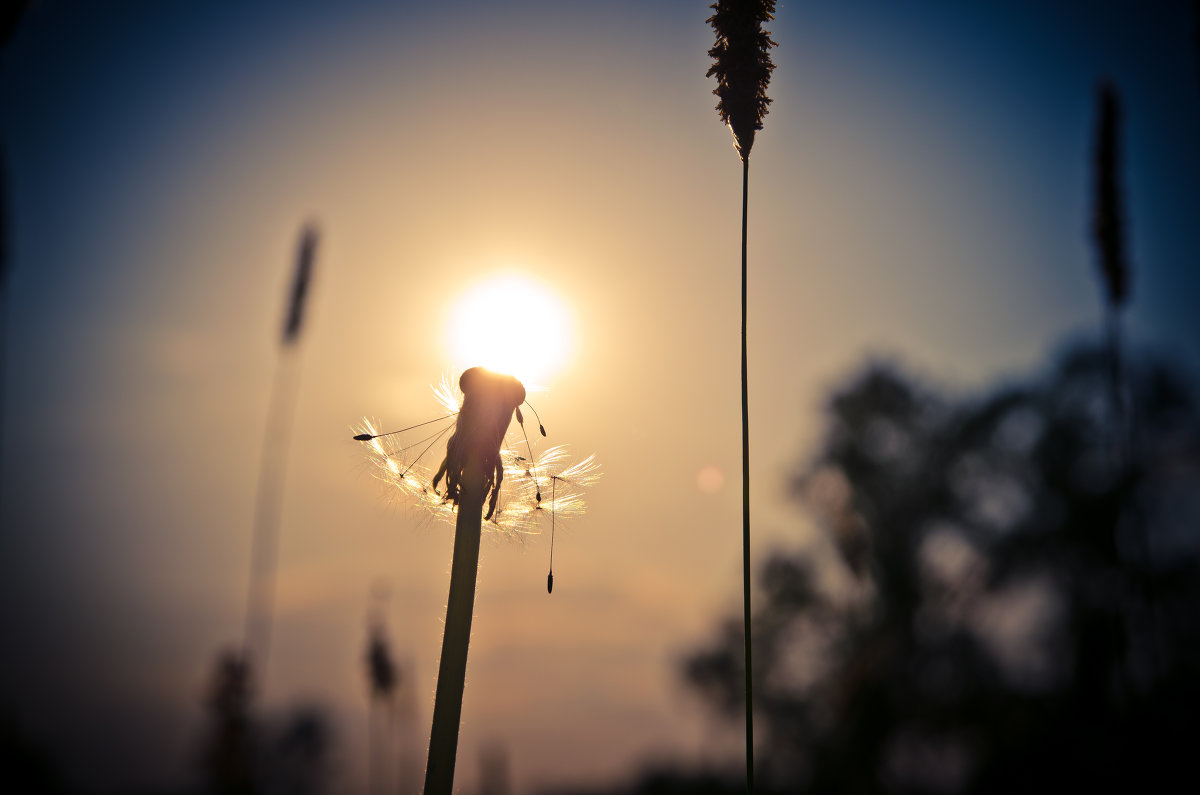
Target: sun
510 324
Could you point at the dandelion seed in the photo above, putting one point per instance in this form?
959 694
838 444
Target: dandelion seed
541 427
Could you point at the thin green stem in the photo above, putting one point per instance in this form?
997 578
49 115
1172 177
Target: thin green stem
746 497
452 670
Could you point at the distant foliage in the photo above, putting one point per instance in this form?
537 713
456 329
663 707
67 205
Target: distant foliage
228 757
1014 608
245 753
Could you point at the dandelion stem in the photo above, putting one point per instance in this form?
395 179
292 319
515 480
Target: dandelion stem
746 495
452 670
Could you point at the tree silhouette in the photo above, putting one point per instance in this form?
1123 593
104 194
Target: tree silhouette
1012 606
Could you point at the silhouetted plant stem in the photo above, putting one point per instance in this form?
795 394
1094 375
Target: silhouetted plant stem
472 469
746 493
452 670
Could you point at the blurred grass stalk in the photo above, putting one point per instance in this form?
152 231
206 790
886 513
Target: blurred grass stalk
742 66
273 467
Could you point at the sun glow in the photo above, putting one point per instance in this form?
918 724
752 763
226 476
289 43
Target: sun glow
510 324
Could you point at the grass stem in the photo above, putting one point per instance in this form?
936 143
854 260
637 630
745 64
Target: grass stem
746 495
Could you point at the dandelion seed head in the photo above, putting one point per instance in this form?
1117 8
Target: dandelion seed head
534 486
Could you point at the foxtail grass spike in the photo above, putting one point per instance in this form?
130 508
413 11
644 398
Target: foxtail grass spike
297 296
742 66
1108 223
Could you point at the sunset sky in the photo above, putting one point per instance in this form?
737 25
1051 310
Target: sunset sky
921 192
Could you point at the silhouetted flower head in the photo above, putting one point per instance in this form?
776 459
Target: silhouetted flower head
530 482
489 401
742 66
1108 223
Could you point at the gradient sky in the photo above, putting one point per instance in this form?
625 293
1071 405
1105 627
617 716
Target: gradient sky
920 191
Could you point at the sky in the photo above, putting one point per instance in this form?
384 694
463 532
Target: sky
920 192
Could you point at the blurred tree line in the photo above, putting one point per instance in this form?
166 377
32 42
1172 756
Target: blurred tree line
1004 596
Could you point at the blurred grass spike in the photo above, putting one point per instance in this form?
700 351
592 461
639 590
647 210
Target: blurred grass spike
1108 222
306 254
742 65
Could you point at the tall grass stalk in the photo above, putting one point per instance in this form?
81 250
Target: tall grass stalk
742 66
268 499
